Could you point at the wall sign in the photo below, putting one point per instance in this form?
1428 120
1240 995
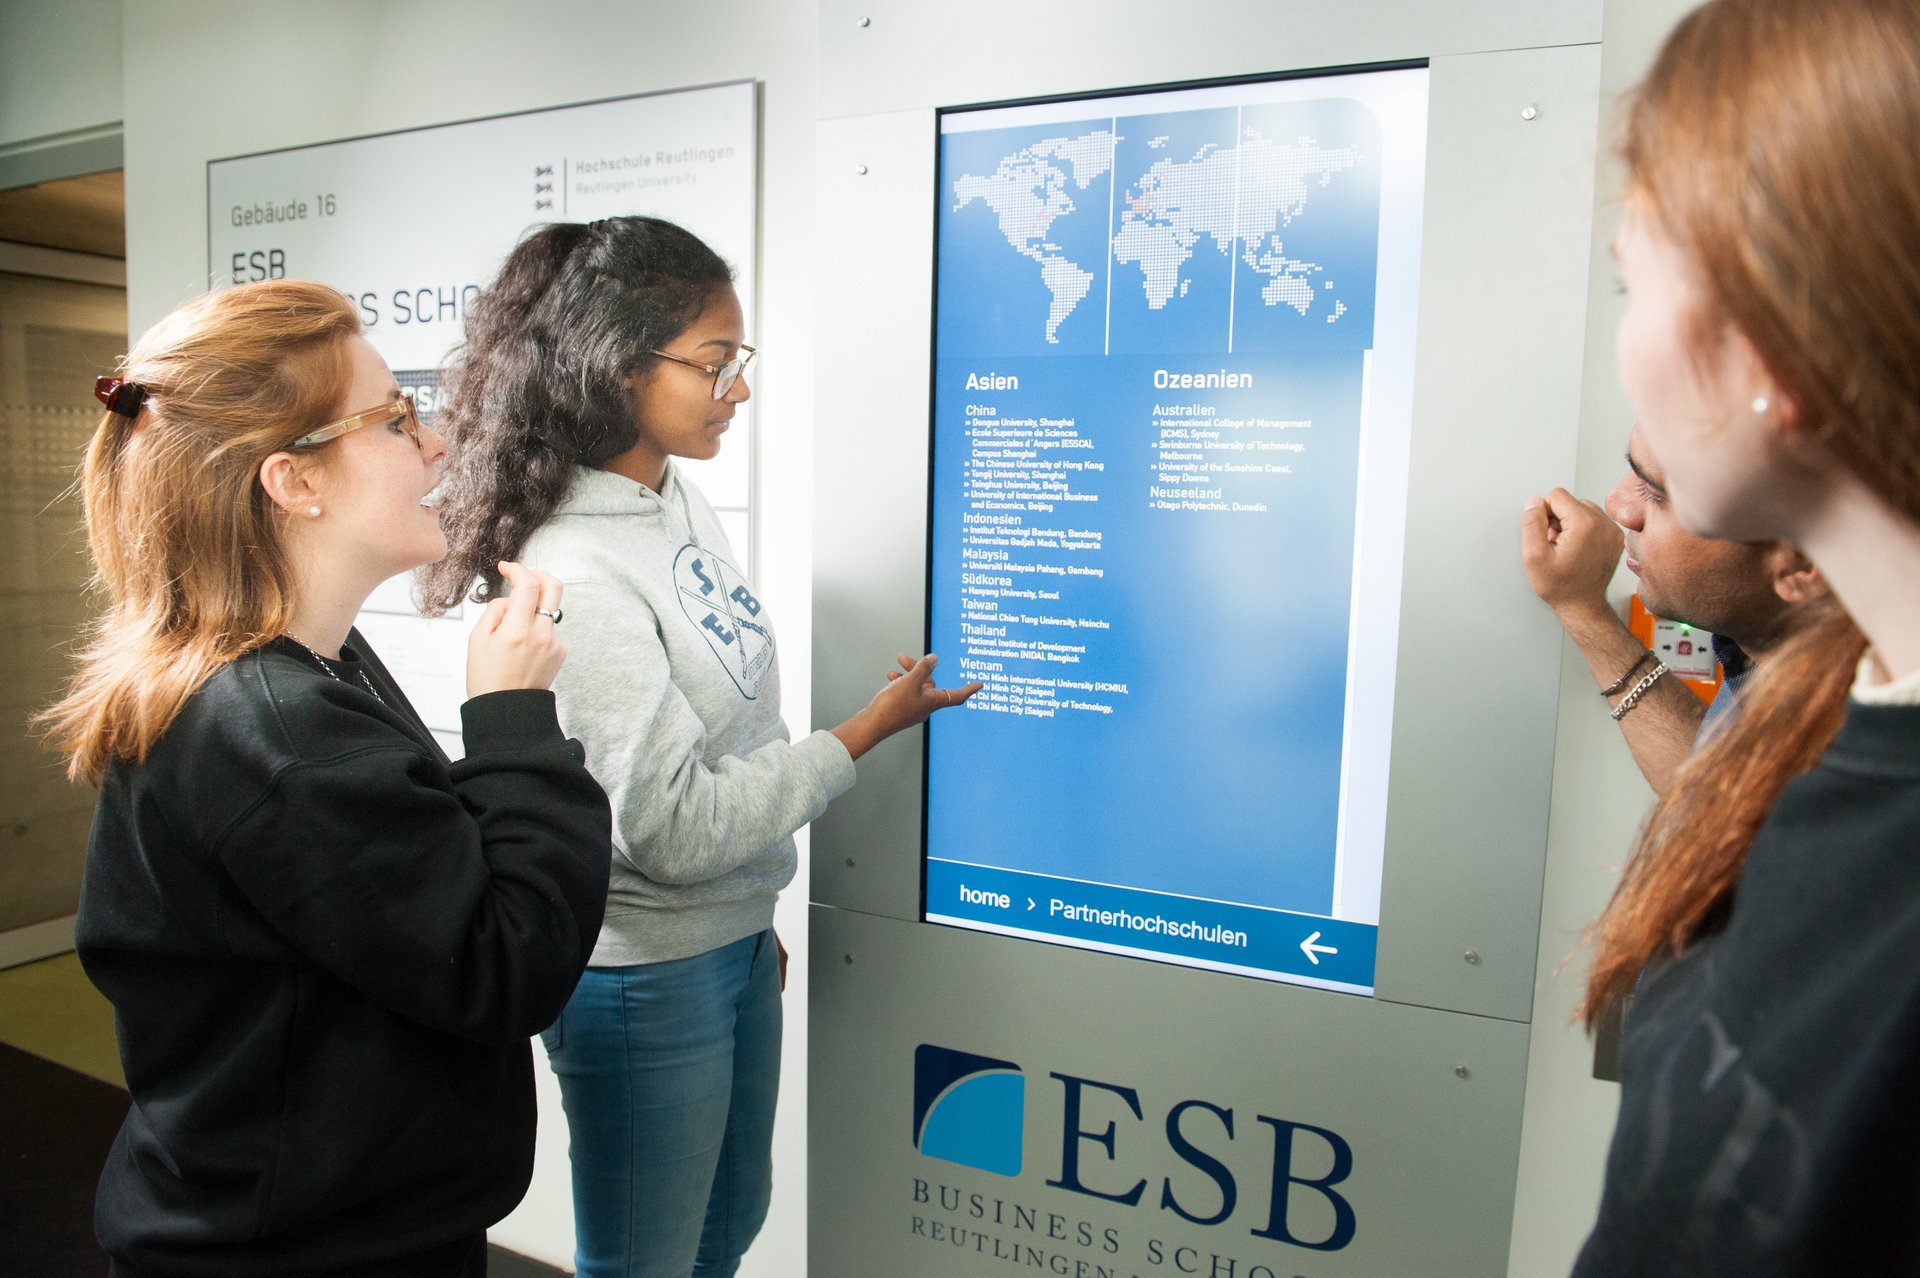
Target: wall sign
411 225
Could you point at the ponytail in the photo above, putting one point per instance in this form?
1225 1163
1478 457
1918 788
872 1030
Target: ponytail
186 545
539 386
1691 852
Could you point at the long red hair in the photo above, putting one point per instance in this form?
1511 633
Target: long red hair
186 544
1774 143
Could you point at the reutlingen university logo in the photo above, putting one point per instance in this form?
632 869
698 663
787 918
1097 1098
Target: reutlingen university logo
968 1109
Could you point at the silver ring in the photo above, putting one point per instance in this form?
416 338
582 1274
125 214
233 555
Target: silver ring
549 612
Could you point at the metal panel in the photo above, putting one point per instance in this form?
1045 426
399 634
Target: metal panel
875 217
1503 287
910 54
1496 399
1497 396
1427 1102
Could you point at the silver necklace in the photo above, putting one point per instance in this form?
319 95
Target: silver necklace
335 674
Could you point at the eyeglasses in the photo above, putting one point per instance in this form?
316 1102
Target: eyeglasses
401 410
724 375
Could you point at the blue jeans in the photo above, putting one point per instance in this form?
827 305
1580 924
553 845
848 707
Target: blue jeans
668 1074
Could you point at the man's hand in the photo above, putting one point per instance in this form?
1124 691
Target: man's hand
1570 550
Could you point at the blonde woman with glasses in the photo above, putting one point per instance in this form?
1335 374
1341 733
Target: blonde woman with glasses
325 944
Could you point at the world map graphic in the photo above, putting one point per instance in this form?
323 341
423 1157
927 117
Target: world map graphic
1246 199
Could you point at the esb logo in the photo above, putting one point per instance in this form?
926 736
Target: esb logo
968 1109
971 1110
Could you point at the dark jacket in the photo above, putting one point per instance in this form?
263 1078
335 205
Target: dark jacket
326 948
1770 1085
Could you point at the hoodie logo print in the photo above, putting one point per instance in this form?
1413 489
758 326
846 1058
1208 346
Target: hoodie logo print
714 595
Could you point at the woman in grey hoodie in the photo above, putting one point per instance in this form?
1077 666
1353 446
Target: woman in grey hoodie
601 353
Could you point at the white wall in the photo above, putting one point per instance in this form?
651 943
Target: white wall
59 68
1599 797
60 75
208 79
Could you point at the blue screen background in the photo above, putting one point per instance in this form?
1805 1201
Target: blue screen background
1217 773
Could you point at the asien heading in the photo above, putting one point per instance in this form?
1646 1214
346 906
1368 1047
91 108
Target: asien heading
1163 379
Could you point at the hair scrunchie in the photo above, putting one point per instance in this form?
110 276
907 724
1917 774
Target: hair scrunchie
124 398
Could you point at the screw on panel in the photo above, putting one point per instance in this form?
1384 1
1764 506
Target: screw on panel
849 863
1529 111
1472 957
847 957
1459 1071
863 22
861 169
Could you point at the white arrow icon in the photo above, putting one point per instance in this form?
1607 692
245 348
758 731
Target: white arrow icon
1029 903
1313 952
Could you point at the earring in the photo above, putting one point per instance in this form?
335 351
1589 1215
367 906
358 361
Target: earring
314 511
1759 403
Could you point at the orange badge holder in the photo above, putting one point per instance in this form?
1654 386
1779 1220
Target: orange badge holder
1686 649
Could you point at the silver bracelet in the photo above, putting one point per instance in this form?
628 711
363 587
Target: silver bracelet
1641 660
1632 698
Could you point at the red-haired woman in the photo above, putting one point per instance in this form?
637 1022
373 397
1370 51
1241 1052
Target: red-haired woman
325 944
1770 1106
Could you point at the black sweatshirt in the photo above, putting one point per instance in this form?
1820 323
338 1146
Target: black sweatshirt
326 948
1770 1087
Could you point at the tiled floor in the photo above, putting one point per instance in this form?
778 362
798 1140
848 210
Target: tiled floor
50 1009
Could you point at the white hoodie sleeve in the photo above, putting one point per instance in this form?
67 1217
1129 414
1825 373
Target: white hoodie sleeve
684 810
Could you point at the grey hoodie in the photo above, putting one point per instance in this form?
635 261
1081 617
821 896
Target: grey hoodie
672 685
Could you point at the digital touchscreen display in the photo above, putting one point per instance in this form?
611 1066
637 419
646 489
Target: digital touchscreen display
1174 337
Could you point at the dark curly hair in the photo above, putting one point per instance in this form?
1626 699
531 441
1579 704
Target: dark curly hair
538 386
